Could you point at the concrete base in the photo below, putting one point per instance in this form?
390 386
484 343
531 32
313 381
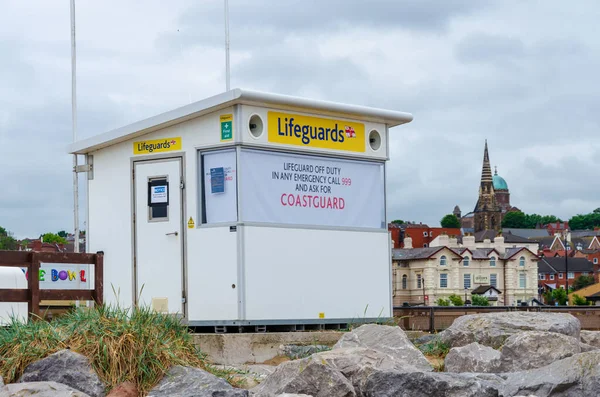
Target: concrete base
256 348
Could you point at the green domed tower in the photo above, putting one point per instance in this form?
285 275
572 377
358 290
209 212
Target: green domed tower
501 190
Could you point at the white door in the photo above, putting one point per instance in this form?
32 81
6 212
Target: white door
158 234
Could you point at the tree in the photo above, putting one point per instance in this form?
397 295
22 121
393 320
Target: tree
398 222
443 302
62 234
480 300
579 300
450 220
514 219
456 300
582 282
7 242
559 295
583 222
53 238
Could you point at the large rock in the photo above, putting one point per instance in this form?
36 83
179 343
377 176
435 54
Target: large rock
575 376
40 389
427 384
66 367
355 365
193 382
492 329
390 340
591 337
312 376
298 351
472 358
534 349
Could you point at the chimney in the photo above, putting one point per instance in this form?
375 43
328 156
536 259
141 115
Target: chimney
453 242
499 244
469 242
37 245
408 242
487 243
443 240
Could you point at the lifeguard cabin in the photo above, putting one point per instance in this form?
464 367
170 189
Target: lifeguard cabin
245 209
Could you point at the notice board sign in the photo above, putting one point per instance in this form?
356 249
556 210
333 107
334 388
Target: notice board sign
286 188
217 180
159 194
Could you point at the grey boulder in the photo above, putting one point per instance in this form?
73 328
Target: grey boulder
533 349
297 351
427 384
40 389
492 329
182 381
66 367
575 376
590 337
386 339
472 358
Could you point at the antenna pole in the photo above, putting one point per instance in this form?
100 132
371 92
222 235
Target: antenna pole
227 45
74 120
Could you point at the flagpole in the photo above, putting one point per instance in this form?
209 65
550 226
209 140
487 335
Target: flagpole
74 126
227 45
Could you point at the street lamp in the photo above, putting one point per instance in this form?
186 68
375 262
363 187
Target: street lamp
465 295
566 268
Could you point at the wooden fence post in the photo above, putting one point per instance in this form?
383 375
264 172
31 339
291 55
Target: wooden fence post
34 287
431 320
99 279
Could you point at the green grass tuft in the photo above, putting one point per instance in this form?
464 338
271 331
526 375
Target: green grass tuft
136 345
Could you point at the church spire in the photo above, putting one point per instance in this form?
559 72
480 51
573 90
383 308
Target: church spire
486 172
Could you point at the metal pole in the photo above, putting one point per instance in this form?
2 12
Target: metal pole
74 120
227 45
566 267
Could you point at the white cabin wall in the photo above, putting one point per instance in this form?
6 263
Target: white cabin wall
299 273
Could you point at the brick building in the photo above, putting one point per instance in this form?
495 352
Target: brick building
552 271
421 235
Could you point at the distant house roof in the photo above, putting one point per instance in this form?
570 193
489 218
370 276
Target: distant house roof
510 252
418 253
544 267
508 237
482 289
575 264
585 233
525 233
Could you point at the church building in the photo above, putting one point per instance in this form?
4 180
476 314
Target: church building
493 201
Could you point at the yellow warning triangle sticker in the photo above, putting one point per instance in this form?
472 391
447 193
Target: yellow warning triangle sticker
191 223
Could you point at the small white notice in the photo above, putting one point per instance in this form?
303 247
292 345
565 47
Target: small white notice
159 194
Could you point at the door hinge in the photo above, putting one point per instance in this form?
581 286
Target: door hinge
133 173
182 184
182 296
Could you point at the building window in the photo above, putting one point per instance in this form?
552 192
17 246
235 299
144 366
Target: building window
424 245
443 280
560 276
404 281
522 281
467 281
522 261
552 277
595 261
419 281
443 260
542 276
494 280
570 275
424 234
493 261
466 261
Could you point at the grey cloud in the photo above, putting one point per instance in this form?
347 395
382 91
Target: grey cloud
487 48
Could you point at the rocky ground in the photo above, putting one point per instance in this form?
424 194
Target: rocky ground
494 354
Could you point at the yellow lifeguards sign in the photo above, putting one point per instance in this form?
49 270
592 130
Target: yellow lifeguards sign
316 132
157 146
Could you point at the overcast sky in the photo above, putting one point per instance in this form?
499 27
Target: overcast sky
523 74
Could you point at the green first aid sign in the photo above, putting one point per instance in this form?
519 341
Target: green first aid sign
226 127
